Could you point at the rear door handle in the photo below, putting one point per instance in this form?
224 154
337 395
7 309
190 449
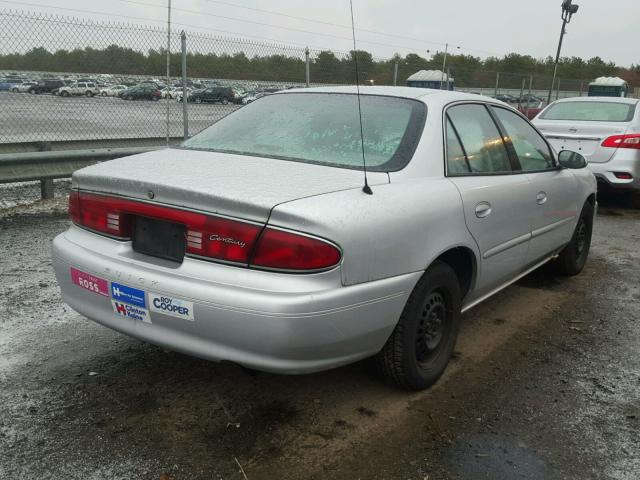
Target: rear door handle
483 209
541 198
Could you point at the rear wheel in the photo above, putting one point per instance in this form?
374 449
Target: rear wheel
417 352
88 93
198 100
573 257
64 93
104 94
225 101
14 90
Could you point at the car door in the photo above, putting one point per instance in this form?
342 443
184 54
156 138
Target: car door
553 190
494 194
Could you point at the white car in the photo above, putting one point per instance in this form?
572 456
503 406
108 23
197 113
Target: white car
113 90
605 130
79 88
23 87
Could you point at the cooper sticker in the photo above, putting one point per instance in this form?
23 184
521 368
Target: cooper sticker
89 282
171 306
126 294
131 311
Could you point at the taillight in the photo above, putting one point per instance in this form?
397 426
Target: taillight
208 236
630 140
284 250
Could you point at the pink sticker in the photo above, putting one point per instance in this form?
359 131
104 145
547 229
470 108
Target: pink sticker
90 282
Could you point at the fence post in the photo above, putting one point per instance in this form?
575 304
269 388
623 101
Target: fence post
307 73
530 87
581 86
47 189
522 93
395 74
448 78
185 115
558 89
497 83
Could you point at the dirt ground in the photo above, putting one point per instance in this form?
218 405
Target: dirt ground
545 384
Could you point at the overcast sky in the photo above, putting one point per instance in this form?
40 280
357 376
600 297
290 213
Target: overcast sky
609 29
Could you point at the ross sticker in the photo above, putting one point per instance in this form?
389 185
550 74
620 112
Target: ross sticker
128 295
171 306
131 311
90 282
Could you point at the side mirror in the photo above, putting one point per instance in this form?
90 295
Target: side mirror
569 159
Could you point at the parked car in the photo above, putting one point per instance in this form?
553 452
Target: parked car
23 87
141 92
256 94
47 85
222 95
256 242
605 130
113 90
505 97
79 88
531 98
6 85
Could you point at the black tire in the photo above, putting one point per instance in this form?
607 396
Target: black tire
418 351
64 93
198 100
89 93
14 90
225 101
573 257
104 94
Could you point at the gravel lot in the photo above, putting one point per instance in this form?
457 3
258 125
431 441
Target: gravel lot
545 384
30 118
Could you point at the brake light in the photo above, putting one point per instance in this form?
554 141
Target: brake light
630 140
206 235
285 250
623 175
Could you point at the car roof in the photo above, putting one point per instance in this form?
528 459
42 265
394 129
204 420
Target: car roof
627 100
445 96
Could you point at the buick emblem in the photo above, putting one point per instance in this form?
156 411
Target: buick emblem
150 194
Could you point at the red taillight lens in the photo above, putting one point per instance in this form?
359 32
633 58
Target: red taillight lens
74 206
630 140
222 239
284 250
208 236
623 175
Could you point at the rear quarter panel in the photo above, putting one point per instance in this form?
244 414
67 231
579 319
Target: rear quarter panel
399 229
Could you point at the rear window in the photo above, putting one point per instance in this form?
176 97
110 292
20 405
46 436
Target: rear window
590 111
320 128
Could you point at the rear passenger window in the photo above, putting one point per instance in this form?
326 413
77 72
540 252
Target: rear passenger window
533 152
480 139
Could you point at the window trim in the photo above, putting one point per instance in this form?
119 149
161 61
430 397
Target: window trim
444 140
555 166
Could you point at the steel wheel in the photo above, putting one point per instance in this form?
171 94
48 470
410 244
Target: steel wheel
431 326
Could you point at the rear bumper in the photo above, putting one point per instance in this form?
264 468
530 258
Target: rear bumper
622 162
267 321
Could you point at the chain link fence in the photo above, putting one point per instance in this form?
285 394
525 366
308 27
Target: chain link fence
68 79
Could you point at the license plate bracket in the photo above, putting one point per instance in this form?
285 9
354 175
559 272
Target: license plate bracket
159 238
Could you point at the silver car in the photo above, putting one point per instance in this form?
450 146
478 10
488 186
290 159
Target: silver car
605 130
257 241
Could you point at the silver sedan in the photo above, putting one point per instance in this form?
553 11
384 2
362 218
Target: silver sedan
257 241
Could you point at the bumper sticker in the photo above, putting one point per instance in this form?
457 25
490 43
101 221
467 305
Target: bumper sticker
128 295
171 306
131 311
89 282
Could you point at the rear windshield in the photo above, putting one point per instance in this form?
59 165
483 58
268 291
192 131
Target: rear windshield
590 111
320 128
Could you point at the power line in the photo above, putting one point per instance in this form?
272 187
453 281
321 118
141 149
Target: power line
243 20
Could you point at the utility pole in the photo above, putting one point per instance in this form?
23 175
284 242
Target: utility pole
568 9
168 66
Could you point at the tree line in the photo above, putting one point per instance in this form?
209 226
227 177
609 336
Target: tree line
325 66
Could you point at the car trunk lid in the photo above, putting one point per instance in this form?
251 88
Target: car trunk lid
219 183
583 137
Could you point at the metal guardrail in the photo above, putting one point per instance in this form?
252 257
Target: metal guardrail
46 166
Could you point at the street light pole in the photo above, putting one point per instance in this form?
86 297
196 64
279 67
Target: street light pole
568 9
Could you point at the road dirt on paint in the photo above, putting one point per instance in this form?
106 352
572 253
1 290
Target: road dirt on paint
544 384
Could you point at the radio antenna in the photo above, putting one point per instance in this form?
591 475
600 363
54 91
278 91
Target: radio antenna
366 189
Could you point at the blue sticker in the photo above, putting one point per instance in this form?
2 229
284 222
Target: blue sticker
129 295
